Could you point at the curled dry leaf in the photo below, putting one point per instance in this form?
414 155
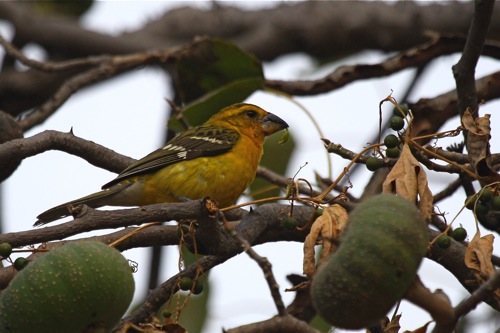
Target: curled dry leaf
327 227
408 179
478 146
393 326
478 257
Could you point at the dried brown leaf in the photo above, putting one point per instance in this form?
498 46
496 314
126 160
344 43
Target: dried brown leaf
478 146
408 179
478 256
393 326
327 227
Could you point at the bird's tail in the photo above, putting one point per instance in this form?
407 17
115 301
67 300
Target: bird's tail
98 199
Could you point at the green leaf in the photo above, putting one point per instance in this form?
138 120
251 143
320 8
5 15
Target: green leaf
212 74
211 64
207 105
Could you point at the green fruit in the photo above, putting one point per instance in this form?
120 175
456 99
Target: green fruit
391 141
495 202
5 250
376 262
396 123
402 107
373 163
78 287
485 195
290 223
459 234
198 288
470 201
318 212
482 208
444 242
393 152
186 283
20 263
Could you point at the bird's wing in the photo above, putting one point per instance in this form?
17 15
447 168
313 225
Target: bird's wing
201 141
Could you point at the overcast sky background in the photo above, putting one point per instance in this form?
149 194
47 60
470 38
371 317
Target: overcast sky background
128 115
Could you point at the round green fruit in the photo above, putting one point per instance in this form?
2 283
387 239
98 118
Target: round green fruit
482 208
495 202
373 163
391 141
78 287
393 152
459 234
485 195
20 263
401 111
5 250
376 262
396 123
444 242
470 201
290 223
318 212
186 283
198 288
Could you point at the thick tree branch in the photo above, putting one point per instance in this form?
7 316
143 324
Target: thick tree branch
253 32
449 259
415 57
93 153
88 219
338 28
465 68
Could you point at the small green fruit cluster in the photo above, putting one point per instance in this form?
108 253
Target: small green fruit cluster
396 123
391 141
186 284
6 251
483 201
399 112
459 234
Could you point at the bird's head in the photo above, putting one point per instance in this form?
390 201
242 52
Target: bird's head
249 119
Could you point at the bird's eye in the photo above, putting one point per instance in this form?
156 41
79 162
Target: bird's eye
251 113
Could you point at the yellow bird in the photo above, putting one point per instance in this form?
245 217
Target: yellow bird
218 159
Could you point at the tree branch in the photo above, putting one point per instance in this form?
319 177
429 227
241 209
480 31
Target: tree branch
93 153
415 57
464 70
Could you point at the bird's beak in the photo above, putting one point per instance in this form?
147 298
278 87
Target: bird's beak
272 124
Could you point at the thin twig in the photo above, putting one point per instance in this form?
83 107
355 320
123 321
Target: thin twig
113 66
448 191
50 66
264 264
